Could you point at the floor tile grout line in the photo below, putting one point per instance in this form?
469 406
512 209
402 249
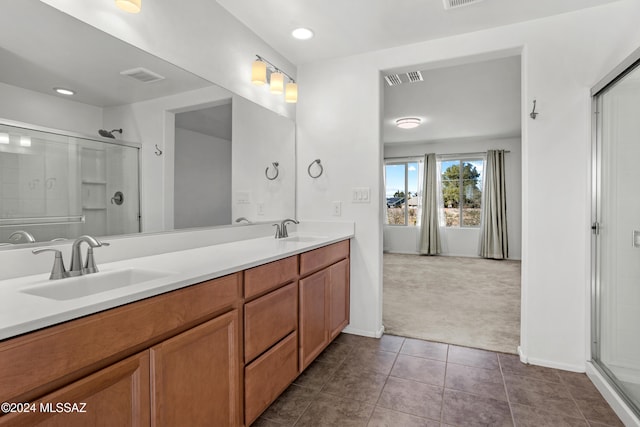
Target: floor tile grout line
375 405
444 385
506 391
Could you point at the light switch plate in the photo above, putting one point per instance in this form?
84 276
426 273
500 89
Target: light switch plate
260 208
361 195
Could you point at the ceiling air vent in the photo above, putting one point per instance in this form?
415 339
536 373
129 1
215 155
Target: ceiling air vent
414 76
142 74
452 4
393 79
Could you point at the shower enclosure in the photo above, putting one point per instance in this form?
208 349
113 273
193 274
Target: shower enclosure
55 184
616 230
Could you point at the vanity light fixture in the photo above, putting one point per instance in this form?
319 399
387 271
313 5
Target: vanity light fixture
63 91
262 68
302 33
131 6
408 122
276 84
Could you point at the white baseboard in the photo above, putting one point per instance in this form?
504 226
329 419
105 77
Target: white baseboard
618 405
548 363
355 331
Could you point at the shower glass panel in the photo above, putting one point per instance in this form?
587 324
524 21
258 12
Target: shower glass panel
55 185
616 291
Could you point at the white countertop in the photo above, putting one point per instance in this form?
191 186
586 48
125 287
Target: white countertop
21 312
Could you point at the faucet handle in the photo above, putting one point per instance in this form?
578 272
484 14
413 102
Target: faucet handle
57 271
90 263
278 230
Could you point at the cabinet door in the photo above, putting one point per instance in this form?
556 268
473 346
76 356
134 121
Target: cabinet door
314 313
338 298
195 376
114 396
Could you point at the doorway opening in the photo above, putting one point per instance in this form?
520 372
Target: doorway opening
461 112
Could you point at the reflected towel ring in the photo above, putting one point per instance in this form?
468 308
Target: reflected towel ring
319 165
266 171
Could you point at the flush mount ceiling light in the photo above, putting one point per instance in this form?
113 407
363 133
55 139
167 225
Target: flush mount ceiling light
302 33
131 6
408 122
63 91
277 77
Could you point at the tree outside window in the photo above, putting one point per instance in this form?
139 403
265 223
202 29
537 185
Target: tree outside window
462 192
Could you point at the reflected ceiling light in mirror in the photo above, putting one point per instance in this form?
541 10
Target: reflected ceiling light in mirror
276 79
408 122
25 141
4 138
63 91
302 33
131 6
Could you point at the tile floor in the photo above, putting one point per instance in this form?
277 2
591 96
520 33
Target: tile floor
403 382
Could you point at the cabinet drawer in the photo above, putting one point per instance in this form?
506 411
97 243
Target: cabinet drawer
323 257
268 376
269 319
45 360
264 278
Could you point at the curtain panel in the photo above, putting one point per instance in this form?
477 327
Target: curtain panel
493 233
429 227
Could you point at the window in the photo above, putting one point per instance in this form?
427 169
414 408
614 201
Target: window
402 192
462 192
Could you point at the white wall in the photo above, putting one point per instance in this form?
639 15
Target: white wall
201 159
260 138
48 110
152 123
197 35
463 241
562 57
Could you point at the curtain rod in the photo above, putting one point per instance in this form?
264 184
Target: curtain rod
480 153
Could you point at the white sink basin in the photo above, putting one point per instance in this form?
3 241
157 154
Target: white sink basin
303 239
90 284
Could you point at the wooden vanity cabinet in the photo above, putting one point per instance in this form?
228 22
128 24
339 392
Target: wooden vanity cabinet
195 376
135 364
324 298
270 333
114 396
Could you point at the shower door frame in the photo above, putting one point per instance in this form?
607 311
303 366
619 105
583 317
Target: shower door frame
618 73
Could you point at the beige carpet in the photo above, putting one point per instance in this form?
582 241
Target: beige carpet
471 302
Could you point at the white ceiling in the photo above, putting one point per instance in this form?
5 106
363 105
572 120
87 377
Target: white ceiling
478 100
42 48
213 121
349 27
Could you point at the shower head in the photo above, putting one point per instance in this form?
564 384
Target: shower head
109 134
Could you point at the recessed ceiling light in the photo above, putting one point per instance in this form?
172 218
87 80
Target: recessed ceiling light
408 122
63 91
302 33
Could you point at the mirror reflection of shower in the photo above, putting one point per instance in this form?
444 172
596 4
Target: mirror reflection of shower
109 134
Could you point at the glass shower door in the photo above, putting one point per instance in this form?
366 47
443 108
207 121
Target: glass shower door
616 303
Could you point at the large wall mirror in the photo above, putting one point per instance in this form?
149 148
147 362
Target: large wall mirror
190 153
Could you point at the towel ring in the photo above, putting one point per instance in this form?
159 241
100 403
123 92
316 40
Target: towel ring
266 171
309 169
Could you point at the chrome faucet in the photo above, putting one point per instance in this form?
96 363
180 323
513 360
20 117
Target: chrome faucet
16 235
76 268
283 227
57 271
